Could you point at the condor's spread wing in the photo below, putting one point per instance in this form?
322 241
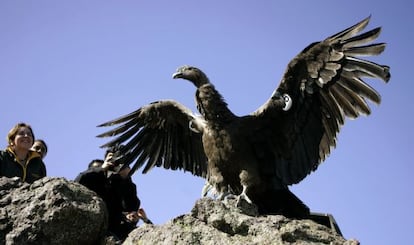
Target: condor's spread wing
324 83
159 134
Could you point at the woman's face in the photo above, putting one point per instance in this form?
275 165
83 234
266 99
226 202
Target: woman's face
23 139
39 148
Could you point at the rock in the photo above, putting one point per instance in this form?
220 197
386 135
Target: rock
50 211
214 222
58 211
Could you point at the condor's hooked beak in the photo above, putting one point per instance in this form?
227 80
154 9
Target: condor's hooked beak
180 72
177 75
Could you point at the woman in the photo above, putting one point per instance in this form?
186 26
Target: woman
18 159
40 147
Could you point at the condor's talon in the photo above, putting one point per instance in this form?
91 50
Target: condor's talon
225 196
243 196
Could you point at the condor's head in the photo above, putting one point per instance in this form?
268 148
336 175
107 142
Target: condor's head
192 74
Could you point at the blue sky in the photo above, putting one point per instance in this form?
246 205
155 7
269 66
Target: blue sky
67 66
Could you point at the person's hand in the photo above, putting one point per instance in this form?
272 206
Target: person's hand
108 161
141 214
132 217
107 165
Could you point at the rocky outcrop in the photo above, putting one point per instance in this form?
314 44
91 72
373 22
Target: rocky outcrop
214 222
58 211
49 211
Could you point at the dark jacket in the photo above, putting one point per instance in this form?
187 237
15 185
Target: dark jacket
34 168
119 195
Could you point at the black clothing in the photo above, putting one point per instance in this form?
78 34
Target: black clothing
119 195
95 180
32 170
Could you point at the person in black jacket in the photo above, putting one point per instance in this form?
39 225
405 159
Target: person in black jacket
117 191
18 160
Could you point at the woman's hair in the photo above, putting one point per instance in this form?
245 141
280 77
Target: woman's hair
13 132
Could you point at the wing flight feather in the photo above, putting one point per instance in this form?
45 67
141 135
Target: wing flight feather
325 84
158 134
